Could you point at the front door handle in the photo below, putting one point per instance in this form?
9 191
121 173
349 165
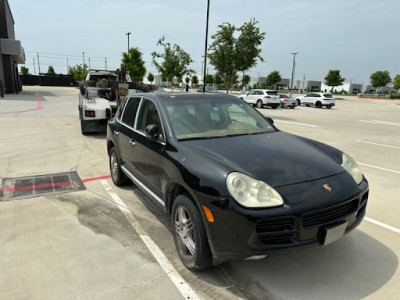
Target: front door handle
132 142
116 132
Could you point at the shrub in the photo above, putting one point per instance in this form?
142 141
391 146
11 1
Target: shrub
395 96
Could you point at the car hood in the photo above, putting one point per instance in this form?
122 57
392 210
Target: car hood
276 158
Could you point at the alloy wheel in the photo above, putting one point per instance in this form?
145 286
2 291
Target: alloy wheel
114 165
185 231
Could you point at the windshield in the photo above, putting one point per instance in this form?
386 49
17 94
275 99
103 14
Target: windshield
328 95
207 118
99 77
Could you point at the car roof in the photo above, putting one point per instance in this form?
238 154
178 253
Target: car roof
162 96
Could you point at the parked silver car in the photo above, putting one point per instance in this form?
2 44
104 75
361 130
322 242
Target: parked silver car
286 101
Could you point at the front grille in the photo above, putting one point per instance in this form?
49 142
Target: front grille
330 214
278 231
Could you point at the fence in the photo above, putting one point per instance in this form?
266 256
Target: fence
47 80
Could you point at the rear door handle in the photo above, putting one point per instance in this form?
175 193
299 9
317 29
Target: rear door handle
132 142
116 132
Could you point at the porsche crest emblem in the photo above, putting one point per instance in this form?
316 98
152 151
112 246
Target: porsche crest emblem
327 187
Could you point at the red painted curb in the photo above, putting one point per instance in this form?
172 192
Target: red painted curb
40 106
96 178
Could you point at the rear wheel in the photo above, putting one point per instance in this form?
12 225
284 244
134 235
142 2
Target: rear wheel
83 127
298 102
259 104
190 234
274 107
117 176
292 107
329 106
318 104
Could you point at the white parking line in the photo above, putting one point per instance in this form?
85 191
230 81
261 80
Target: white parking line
383 145
296 123
380 122
168 268
379 168
394 229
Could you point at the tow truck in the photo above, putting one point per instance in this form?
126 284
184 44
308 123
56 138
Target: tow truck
100 95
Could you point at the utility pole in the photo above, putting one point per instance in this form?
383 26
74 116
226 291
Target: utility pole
83 59
304 81
34 66
128 34
293 70
38 62
105 61
205 48
89 63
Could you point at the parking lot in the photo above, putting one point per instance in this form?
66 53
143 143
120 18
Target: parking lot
101 241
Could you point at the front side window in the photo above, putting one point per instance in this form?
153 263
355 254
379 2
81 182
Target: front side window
148 115
130 111
209 118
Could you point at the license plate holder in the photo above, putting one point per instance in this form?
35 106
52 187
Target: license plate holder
334 233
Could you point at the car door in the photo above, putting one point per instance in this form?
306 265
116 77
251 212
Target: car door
308 98
250 97
145 156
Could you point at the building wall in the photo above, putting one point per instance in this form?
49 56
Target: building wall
9 21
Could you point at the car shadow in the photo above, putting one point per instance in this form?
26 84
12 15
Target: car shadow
96 135
352 268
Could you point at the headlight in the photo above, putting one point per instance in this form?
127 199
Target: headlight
252 193
350 165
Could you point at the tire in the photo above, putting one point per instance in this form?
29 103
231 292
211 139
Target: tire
83 127
308 105
298 102
318 105
274 107
259 104
282 105
196 256
329 106
292 107
117 176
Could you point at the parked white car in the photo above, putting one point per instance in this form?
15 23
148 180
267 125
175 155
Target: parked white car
261 98
317 99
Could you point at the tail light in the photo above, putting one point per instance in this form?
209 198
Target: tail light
90 113
267 97
285 100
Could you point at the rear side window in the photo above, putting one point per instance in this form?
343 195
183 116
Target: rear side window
328 95
130 111
272 93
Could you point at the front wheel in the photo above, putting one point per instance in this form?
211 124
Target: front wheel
259 104
190 234
318 105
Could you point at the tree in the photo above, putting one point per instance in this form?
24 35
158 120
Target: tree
50 71
273 78
333 78
217 78
195 80
134 64
396 81
78 72
245 80
187 79
175 61
24 70
380 79
209 79
150 77
229 54
179 79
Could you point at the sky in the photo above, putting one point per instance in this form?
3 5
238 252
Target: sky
357 37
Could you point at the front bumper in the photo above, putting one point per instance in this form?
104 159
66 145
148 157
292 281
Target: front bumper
239 233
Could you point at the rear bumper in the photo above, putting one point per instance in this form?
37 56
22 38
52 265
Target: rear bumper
238 233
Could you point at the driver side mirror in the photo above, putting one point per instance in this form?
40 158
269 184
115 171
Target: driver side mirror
270 120
151 131
247 94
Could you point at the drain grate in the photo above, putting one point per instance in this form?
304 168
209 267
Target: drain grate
27 187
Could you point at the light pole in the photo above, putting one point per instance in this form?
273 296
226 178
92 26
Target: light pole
205 49
293 69
128 34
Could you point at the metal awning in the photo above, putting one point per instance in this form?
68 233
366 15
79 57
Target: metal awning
13 48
